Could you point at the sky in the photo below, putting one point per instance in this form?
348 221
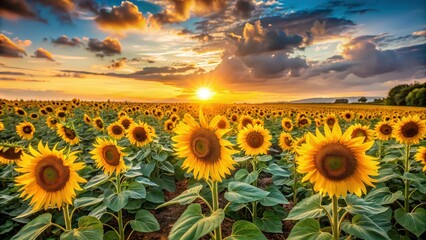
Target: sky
245 51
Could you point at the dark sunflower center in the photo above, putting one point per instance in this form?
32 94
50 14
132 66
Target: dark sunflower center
10 154
358 133
53 121
205 145
111 155
255 139
174 119
169 126
27 129
117 130
21 112
43 112
126 123
348 116
331 121
51 174
221 124
140 134
335 161
49 109
410 129
99 123
303 121
61 114
287 141
385 129
33 115
246 121
69 133
234 118
287 124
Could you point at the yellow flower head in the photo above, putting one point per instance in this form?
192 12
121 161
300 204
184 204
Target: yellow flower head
109 156
254 140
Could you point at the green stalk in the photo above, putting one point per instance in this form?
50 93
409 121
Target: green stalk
254 203
215 197
67 219
380 150
406 181
294 182
120 212
335 222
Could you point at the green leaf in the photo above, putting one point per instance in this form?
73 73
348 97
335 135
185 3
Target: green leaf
364 228
88 228
144 222
270 222
98 211
146 181
111 235
383 219
243 230
382 196
34 228
86 201
115 201
193 225
243 175
160 157
148 168
242 159
264 158
308 208
385 174
274 197
155 195
96 181
357 205
414 222
167 166
308 229
239 192
276 170
186 197
389 158
136 190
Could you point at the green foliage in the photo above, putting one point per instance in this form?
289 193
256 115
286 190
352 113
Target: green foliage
407 95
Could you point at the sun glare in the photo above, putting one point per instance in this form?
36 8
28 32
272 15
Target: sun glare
204 93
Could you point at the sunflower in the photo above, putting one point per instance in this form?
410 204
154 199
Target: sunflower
140 134
51 122
48 177
206 153
116 130
125 121
169 125
98 123
87 119
254 140
304 122
359 130
223 123
348 116
108 156
285 141
234 118
61 115
336 163
383 130
25 130
330 120
19 111
67 134
420 156
287 124
174 117
410 130
244 121
34 116
10 154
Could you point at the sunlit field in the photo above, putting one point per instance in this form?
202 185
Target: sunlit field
113 170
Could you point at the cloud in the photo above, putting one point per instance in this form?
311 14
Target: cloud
65 41
61 8
43 53
9 79
70 75
121 18
203 37
273 66
13 9
9 49
107 47
118 64
179 11
244 8
360 11
12 73
257 39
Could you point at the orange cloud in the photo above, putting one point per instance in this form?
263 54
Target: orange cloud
43 53
121 18
9 49
14 9
107 47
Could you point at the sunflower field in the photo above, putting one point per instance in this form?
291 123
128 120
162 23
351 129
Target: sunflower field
120 170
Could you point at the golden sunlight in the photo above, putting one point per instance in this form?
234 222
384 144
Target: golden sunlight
204 93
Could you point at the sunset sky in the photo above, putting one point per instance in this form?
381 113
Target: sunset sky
243 50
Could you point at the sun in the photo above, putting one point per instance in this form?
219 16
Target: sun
204 93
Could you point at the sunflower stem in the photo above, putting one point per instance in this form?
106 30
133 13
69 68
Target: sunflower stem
294 182
254 203
215 197
406 181
67 219
379 155
335 222
120 212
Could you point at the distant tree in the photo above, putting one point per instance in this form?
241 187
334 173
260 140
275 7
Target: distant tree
378 100
341 100
362 100
417 97
392 92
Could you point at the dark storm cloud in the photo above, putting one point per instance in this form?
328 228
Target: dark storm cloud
244 8
13 73
273 66
18 9
120 18
43 53
9 49
66 41
107 47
